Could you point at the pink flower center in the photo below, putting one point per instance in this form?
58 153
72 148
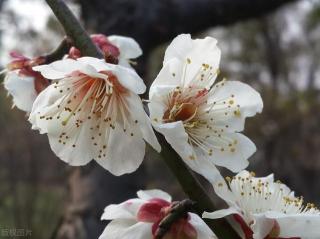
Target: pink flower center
156 210
183 105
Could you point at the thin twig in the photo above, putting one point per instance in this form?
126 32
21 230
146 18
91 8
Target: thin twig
73 29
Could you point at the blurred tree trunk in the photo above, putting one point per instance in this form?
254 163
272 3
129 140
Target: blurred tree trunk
91 188
151 23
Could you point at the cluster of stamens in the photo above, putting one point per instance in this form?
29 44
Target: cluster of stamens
255 195
203 115
97 104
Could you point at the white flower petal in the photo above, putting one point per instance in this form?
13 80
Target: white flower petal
68 144
125 210
127 229
234 158
139 230
179 47
220 213
261 226
47 100
22 90
203 231
128 78
129 48
155 193
268 179
169 76
125 153
157 105
82 153
299 225
136 109
204 166
234 102
176 137
196 52
59 69
98 64
183 46
222 190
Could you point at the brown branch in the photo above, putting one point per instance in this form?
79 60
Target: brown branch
152 22
73 29
193 188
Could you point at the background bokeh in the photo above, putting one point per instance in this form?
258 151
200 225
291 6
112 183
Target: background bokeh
277 53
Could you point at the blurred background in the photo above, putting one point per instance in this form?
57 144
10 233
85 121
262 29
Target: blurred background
274 45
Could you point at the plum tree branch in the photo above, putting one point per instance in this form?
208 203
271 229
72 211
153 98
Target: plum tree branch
153 22
185 177
73 29
192 187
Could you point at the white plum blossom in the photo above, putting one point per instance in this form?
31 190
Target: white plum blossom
200 119
93 112
139 218
130 49
264 209
22 83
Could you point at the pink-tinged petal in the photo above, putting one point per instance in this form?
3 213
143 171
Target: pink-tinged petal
151 211
244 226
105 45
181 229
190 231
18 56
